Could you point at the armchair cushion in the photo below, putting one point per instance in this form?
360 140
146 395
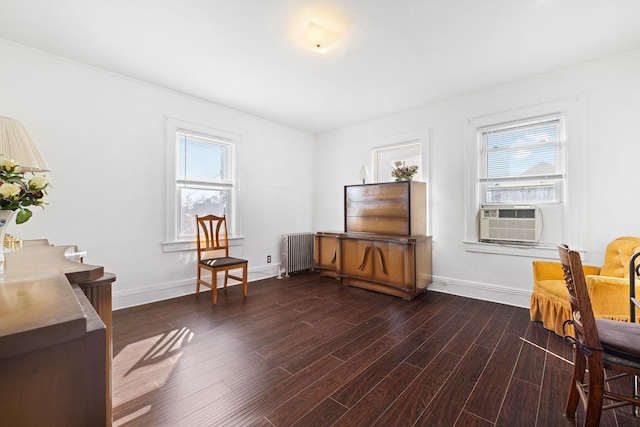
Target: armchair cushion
609 292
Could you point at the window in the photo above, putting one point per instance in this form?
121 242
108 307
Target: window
527 156
204 179
200 180
385 158
412 148
522 162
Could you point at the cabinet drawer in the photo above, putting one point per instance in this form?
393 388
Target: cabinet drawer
378 192
381 208
378 225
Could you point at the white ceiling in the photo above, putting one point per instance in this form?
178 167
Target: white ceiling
395 54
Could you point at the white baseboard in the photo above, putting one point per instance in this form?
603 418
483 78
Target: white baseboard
483 291
132 297
465 288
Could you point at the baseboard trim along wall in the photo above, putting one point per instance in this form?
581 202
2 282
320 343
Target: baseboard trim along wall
464 288
483 291
148 294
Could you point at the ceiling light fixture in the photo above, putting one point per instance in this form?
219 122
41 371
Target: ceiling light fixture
318 38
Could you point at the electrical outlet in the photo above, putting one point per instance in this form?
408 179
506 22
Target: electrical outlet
268 259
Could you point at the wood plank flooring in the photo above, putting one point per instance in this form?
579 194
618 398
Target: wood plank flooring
308 351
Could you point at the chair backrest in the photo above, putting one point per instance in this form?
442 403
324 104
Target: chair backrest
617 255
584 321
212 235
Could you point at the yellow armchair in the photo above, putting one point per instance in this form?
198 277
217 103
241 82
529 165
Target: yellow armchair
608 287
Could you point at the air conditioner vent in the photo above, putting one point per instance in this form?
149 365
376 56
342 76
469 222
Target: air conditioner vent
515 224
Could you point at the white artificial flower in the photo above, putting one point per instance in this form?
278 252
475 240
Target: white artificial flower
8 190
38 182
8 163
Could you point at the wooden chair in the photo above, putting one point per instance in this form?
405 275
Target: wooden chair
213 255
598 344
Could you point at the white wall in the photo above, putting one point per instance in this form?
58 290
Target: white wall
610 107
103 137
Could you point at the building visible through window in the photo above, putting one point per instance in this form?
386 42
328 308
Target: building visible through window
522 163
204 179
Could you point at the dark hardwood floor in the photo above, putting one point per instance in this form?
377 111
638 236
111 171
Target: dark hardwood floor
307 351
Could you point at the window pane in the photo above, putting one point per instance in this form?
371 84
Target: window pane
530 161
200 159
523 162
384 160
522 135
195 201
529 150
521 194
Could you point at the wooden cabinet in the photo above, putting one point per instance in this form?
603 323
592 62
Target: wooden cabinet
399 266
55 340
397 208
326 254
384 246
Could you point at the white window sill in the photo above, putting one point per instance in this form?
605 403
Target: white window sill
545 251
190 245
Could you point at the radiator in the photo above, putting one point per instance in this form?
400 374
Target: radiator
297 252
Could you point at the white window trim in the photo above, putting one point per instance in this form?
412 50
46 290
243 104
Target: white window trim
171 242
573 217
422 136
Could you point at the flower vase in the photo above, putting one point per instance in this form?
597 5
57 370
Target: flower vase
6 218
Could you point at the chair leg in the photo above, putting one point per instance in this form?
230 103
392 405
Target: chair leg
214 287
635 394
576 378
245 286
596 391
198 280
226 278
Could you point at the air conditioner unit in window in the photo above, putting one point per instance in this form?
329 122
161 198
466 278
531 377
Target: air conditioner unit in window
510 224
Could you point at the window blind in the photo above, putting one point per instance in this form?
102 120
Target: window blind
523 162
384 159
523 152
203 159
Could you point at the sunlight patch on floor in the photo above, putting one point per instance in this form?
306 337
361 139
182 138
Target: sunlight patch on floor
124 420
144 366
547 351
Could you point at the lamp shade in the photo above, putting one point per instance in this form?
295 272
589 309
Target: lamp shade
16 143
